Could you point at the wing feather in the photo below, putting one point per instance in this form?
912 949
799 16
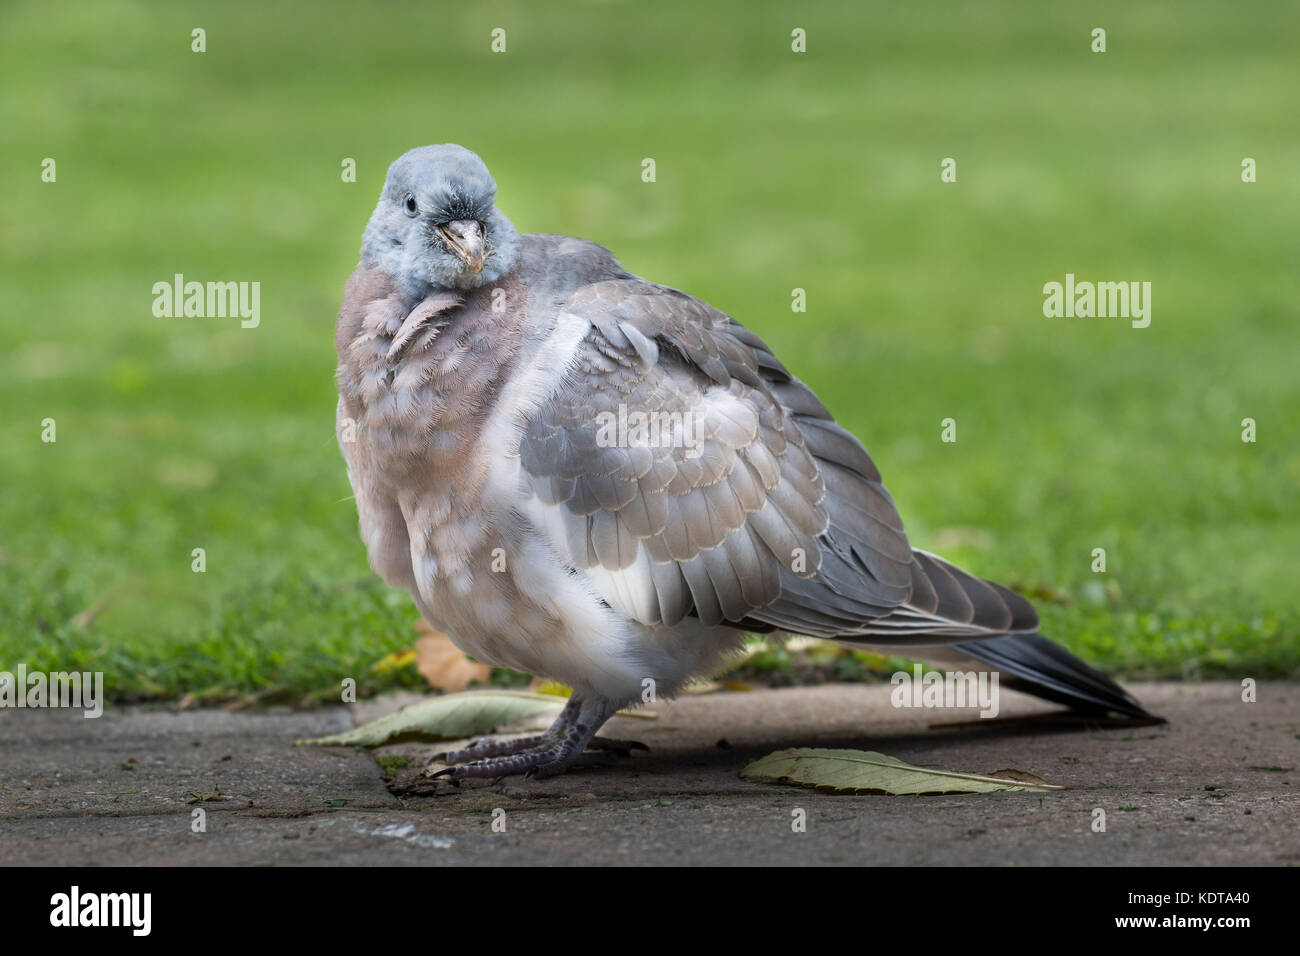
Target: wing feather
749 506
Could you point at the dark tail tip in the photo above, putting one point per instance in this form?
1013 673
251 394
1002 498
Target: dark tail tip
1047 670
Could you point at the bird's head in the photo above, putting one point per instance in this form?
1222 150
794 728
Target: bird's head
437 225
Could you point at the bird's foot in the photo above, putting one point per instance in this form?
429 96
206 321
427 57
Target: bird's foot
487 748
544 761
561 748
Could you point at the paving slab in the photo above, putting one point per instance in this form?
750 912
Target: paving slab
1217 785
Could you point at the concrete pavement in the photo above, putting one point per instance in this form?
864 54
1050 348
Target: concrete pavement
1217 785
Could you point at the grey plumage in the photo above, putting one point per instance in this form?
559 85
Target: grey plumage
491 379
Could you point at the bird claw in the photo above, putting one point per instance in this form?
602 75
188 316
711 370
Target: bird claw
562 746
540 761
487 748
588 758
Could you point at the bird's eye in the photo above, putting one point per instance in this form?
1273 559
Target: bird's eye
411 207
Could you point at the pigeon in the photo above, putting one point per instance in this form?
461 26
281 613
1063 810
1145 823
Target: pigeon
603 481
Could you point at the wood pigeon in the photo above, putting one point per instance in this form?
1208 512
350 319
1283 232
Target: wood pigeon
593 478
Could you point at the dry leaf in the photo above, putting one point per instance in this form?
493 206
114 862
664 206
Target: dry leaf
453 717
864 771
1024 776
443 664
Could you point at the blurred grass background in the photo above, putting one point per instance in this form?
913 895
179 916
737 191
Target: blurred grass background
775 170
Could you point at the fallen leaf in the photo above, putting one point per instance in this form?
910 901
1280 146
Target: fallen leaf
1045 592
443 664
863 771
394 661
1024 776
451 717
701 687
540 685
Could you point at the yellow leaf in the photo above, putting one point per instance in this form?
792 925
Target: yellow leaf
540 685
395 661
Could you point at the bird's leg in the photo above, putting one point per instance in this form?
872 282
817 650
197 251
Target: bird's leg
561 747
487 747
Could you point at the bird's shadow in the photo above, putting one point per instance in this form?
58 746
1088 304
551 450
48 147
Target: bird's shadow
941 735
727 758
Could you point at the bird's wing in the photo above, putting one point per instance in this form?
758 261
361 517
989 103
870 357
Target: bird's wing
757 510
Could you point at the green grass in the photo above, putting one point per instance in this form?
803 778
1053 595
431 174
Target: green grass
775 171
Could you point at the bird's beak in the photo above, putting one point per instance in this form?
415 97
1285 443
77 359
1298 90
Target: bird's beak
467 240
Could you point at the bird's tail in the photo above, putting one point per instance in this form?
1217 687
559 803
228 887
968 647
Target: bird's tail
1032 663
968 622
